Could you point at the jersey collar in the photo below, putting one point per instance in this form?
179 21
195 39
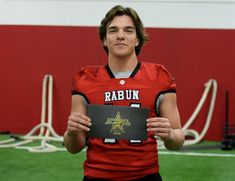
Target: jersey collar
132 74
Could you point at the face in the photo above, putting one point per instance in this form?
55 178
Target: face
121 38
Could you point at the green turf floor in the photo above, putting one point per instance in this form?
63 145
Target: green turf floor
21 165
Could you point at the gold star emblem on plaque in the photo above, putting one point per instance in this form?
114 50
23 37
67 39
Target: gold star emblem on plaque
118 124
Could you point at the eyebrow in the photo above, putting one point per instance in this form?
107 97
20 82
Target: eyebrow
115 27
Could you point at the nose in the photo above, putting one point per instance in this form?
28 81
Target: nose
120 35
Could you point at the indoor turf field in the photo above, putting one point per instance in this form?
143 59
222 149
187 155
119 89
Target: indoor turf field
201 162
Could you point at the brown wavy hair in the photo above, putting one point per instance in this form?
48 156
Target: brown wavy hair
119 11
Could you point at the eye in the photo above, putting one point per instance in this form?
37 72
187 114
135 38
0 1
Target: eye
129 30
112 30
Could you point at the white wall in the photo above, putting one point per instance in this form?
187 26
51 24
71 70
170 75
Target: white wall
218 14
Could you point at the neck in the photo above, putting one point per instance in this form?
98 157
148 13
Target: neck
122 64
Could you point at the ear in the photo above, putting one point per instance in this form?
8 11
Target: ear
104 42
137 42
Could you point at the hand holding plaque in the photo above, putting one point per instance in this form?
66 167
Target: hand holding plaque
118 122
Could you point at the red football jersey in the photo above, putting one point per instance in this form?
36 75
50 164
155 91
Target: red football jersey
122 159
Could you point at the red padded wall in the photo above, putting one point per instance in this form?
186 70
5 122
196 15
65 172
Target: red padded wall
27 53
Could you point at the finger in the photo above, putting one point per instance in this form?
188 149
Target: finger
79 123
163 136
158 125
75 115
157 119
158 130
73 126
80 119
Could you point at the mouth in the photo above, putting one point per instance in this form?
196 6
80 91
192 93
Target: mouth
120 44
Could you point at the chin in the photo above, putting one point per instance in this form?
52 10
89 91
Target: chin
121 53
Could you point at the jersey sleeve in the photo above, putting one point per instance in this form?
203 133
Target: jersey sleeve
168 86
168 80
81 81
76 82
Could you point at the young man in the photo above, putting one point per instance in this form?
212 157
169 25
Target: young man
122 34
